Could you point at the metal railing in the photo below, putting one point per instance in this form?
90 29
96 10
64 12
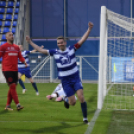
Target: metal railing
44 68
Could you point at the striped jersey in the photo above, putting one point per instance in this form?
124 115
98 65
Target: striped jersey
65 61
25 54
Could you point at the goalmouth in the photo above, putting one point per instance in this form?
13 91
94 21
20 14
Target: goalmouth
116 61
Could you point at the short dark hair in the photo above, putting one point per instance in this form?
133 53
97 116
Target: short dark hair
61 37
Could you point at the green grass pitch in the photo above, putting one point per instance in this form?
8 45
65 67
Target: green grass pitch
42 116
112 121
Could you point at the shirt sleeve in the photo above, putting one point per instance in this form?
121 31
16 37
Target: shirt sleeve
51 52
27 52
76 46
1 50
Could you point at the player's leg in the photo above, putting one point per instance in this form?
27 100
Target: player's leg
12 78
9 96
29 76
69 91
20 81
14 91
72 100
83 104
9 100
79 91
34 85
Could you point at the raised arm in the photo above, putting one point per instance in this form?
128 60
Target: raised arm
33 51
86 34
36 47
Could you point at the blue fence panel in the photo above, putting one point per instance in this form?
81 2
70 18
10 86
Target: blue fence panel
46 18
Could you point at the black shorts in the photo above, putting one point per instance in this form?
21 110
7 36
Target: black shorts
11 76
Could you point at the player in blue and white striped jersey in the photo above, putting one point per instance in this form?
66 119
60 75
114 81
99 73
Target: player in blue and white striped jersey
22 70
67 69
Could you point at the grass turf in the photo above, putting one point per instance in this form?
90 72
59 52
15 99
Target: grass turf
114 122
110 121
42 116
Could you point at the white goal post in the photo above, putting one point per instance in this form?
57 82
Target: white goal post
116 61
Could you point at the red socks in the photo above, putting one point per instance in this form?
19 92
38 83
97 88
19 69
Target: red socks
9 98
12 94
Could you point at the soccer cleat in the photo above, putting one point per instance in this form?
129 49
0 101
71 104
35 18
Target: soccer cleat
59 99
37 93
85 121
24 91
19 107
49 97
8 108
66 104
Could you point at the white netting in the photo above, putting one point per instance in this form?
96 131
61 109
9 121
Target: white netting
40 67
120 62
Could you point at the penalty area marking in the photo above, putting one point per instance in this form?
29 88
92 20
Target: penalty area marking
92 122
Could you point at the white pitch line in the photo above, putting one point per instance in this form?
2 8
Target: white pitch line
92 122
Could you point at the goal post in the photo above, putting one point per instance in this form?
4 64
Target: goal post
116 61
102 58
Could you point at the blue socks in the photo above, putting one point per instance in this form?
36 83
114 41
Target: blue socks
35 87
33 84
21 83
84 109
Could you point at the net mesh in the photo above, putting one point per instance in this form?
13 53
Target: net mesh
120 62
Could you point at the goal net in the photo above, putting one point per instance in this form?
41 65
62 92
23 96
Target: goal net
116 63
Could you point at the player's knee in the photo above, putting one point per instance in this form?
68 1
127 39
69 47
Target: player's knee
72 102
81 98
31 81
12 85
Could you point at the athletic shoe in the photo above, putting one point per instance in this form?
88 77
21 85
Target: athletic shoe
24 91
59 99
49 97
37 93
19 107
8 108
66 104
86 121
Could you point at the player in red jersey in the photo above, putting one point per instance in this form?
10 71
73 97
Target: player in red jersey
10 54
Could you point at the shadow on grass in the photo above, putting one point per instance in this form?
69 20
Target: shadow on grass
45 130
92 98
3 112
56 129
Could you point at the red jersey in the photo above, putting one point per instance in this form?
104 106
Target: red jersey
10 54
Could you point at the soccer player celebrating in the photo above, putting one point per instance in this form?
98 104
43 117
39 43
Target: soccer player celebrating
67 68
10 54
26 70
